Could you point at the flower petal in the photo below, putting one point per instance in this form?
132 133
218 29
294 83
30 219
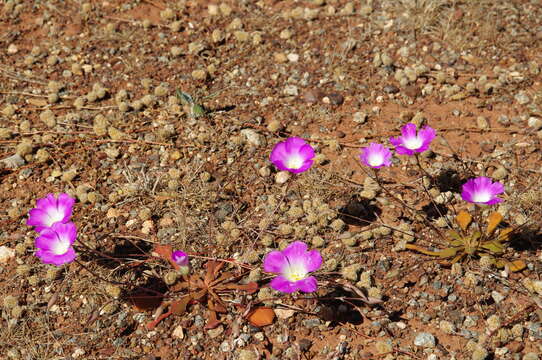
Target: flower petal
408 131
274 262
48 257
280 283
295 252
313 260
307 285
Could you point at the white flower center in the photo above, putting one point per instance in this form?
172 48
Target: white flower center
294 162
60 247
295 272
375 159
413 143
54 215
481 197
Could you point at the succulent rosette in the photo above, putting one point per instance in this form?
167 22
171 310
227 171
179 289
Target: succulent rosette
50 210
293 155
293 264
482 190
376 156
54 244
412 141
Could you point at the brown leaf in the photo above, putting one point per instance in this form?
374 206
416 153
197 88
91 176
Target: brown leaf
179 307
493 221
261 316
213 321
463 219
151 325
250 287
164 251
504 234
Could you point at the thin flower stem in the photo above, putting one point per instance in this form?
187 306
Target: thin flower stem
113 281
376 178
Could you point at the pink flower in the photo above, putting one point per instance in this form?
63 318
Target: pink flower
50 210
293 155
294 263
409 142
55 244
482 190
181 259
375 156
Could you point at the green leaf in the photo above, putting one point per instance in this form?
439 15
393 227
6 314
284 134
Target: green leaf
449 252
184 97
494 247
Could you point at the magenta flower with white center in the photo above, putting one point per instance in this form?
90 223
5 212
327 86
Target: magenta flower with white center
375 156
50 210
55 244
293 155
411 142
482 190
180 258
293 264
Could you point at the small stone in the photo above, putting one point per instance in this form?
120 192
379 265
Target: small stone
247 355
24 148
241 36
479 353
252 137
535 123
176 51
530 356
482 123
12 162
500 173
318 241
225 9
216 332
391 89
171 277
293 57
113 291
384 346
217 36
178 332
360 117
12 49
199 74
69 175
274 125
338 225
425 340
312 96
497 296
447 327
351 272
264 171
10 301
280 57
282 176
334 99
522 98
291 90
493 322
285 34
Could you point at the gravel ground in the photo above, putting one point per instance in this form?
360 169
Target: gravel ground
89 106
